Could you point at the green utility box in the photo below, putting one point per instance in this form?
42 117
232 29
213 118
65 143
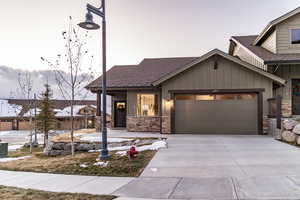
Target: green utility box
3 150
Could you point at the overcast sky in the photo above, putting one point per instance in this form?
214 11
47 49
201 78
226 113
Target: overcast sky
136 28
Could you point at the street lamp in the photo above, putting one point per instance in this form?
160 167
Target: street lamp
89 24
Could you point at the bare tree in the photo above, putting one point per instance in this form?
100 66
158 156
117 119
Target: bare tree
25 84
69 73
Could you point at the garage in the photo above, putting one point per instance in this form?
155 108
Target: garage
231 113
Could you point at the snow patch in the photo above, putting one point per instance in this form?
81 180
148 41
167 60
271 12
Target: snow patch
14 147
121 153
99 139
154 147
101 164
83 166
2 160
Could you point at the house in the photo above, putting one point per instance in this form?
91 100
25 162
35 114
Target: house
216 93
276 50
15 114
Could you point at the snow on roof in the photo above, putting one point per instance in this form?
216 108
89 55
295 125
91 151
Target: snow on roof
31 112
67 111
9 110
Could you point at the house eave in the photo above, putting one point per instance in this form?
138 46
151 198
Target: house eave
284 62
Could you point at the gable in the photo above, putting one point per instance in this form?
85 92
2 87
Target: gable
284 45
270 43
219 53
272 25
228 75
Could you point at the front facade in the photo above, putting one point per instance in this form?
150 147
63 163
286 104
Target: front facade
217 93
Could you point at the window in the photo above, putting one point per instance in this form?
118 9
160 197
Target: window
205 97
295 36
225 97
185 97
246 96
147 105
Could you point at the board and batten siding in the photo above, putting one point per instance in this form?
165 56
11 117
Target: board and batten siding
270 43
229 75
283 36
246 56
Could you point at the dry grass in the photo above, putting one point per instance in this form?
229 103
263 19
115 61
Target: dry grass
11 193
66 137
118 165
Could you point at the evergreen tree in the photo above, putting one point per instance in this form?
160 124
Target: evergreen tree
46 120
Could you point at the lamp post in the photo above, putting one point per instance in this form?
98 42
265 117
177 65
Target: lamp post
89 24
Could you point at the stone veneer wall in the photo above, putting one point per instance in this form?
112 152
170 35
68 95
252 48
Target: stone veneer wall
143 124
166 125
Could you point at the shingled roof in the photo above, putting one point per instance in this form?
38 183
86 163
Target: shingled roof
267 56
142 75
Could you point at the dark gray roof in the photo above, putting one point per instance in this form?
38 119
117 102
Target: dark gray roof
267 56
142 75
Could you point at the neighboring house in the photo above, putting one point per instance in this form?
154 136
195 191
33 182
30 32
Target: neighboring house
15 114
217 93
276 50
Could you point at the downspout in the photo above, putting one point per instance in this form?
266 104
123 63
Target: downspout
160 109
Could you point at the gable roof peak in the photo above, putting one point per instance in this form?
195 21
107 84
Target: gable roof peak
270 27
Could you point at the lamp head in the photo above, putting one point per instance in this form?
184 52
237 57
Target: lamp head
89 24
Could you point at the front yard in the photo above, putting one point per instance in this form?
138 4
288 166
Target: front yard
81 164
11 193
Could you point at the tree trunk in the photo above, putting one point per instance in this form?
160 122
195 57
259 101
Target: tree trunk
30 150
72 124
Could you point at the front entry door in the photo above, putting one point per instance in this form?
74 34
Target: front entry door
120 114
296 96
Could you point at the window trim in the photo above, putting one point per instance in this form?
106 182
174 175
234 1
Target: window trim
291 36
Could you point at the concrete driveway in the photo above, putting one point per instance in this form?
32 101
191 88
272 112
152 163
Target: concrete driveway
220 167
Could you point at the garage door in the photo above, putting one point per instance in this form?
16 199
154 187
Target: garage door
216 114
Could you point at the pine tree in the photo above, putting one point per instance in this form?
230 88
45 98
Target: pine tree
46 120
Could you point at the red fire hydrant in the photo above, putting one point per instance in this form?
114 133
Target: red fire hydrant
132 152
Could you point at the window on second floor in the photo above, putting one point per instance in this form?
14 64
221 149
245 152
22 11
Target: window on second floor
295 34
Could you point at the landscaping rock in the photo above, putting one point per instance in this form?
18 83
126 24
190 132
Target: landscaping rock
298 141
296 129
289 124
58 146
277 134
85 147
289 136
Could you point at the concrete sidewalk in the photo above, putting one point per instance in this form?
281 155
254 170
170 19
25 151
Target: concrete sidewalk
147 188
63 183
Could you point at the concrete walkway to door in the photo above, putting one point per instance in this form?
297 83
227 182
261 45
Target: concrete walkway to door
220 167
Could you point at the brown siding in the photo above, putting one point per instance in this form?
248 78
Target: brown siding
228 76
283 36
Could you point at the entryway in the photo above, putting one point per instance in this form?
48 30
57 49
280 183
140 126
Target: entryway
120 114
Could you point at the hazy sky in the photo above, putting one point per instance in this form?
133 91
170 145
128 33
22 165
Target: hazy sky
136 28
